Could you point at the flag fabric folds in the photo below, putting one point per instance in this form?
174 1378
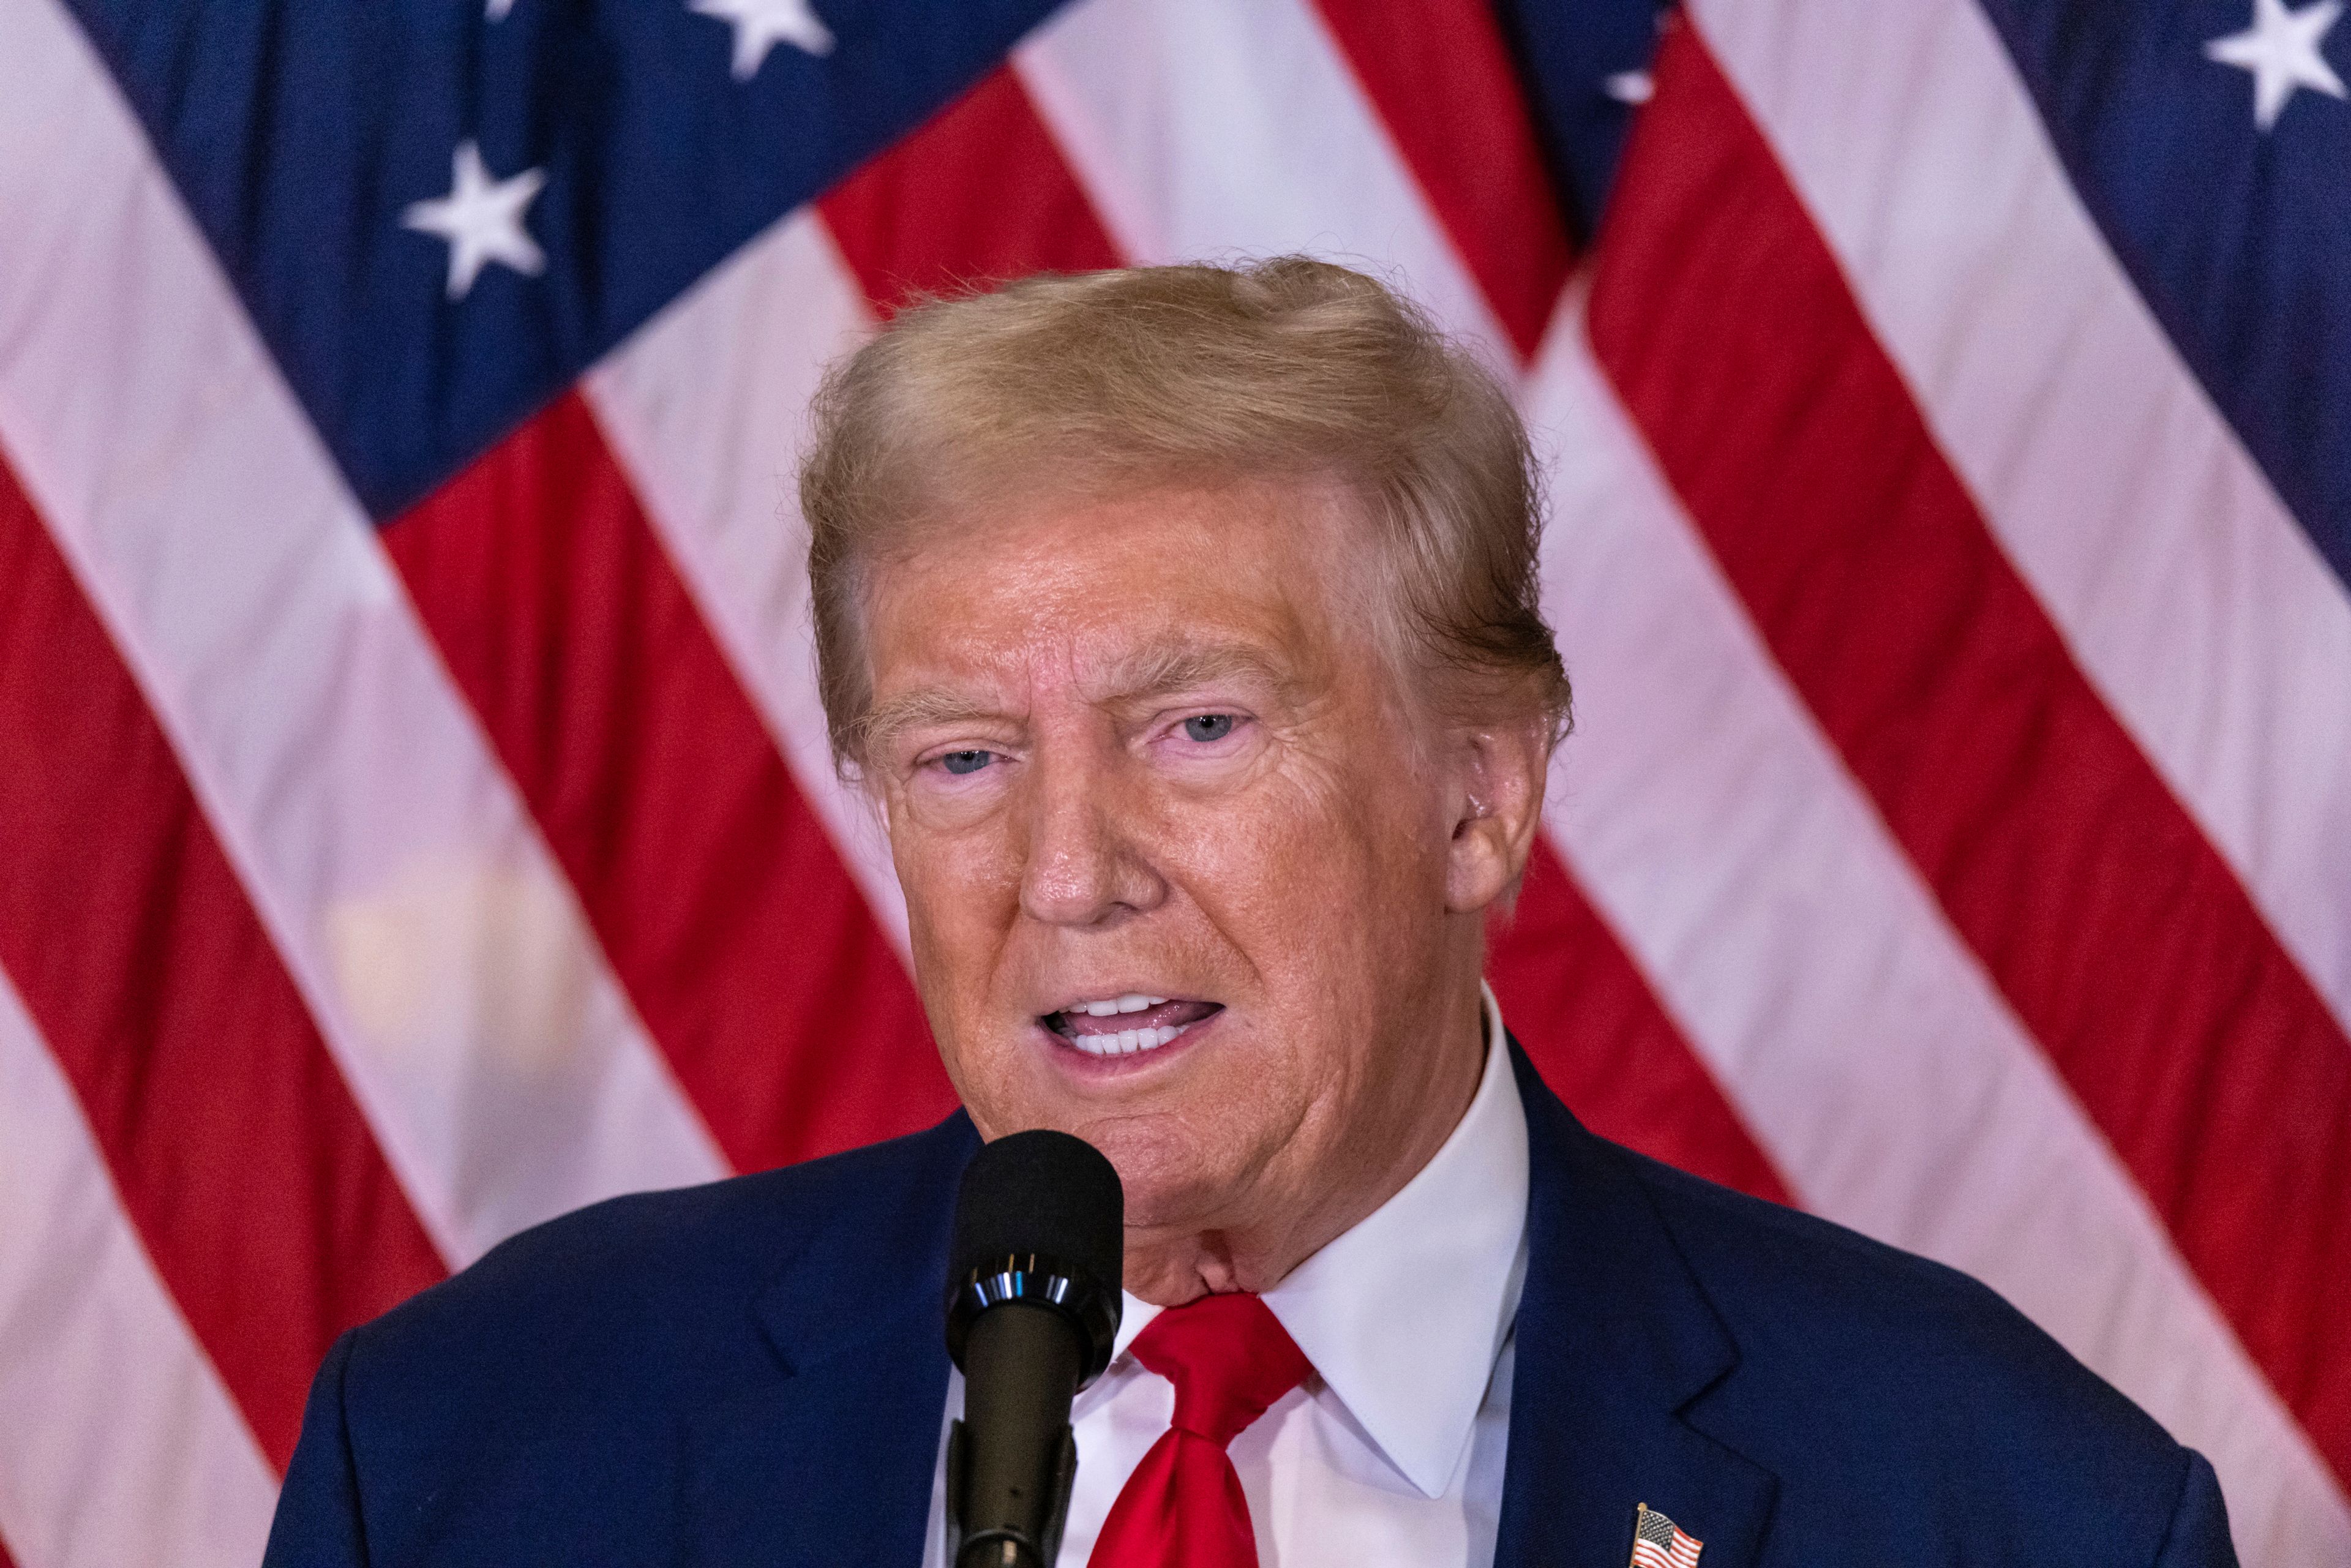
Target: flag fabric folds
415 815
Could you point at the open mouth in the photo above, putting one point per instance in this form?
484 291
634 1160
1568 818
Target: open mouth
1128 1025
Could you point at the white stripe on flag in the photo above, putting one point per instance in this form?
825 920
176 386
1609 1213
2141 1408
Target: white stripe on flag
1861 1042
118 1446
431 933
1163 111
2192 600
707 406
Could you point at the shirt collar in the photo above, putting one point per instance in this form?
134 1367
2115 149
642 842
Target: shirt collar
1405 1315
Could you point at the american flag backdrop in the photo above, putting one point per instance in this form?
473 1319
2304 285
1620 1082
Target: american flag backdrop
415 819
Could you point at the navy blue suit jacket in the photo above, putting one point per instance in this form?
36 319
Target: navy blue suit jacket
751 1374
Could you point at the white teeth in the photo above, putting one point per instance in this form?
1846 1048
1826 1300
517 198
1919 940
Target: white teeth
1127 1041
1133 1002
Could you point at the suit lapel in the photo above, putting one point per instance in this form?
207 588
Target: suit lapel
1616 1340
832 1461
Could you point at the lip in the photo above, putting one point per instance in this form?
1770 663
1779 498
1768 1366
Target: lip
1068 1058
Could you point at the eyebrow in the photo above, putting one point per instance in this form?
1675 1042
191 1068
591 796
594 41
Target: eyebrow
1168 667
885 722
1150 672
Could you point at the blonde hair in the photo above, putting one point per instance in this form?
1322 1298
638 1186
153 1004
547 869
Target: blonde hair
1286 370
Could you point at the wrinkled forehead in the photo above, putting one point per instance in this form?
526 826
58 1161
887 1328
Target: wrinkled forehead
1114 598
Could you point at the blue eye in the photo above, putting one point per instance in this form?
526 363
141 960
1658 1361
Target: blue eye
1207 726
962 762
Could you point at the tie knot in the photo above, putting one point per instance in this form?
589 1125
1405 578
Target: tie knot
1229 1359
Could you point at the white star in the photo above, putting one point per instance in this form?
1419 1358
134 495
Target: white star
760 24
2281 48
1629 87
481 218
495 10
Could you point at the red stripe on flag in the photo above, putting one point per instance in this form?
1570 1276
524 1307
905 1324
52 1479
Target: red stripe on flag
719 900
1441 78
1591 1024
2116 931
249 1173
978 193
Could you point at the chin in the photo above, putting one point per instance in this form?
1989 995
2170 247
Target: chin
1172 1177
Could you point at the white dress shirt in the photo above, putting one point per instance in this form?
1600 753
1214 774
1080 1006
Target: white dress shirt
1393 1451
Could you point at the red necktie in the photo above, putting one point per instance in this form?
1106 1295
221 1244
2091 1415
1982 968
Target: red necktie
1229 1359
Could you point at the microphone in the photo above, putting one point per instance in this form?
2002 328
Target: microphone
1032 1308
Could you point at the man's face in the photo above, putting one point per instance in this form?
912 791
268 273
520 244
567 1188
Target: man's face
1174 845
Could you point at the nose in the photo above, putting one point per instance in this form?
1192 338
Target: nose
1083 867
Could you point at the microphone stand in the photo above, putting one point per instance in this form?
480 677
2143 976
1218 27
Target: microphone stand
1012 1459
1032 1308
993 1453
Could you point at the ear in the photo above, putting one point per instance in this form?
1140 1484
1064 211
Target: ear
1497 792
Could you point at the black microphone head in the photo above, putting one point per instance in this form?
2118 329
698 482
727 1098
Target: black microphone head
1041 1218
1043 1192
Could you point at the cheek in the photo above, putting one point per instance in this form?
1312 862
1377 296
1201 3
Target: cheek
961 899
1319 874
948 863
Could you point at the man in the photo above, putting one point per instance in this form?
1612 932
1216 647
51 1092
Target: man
1181 624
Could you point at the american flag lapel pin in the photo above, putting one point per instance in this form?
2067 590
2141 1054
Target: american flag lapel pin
1659 1542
